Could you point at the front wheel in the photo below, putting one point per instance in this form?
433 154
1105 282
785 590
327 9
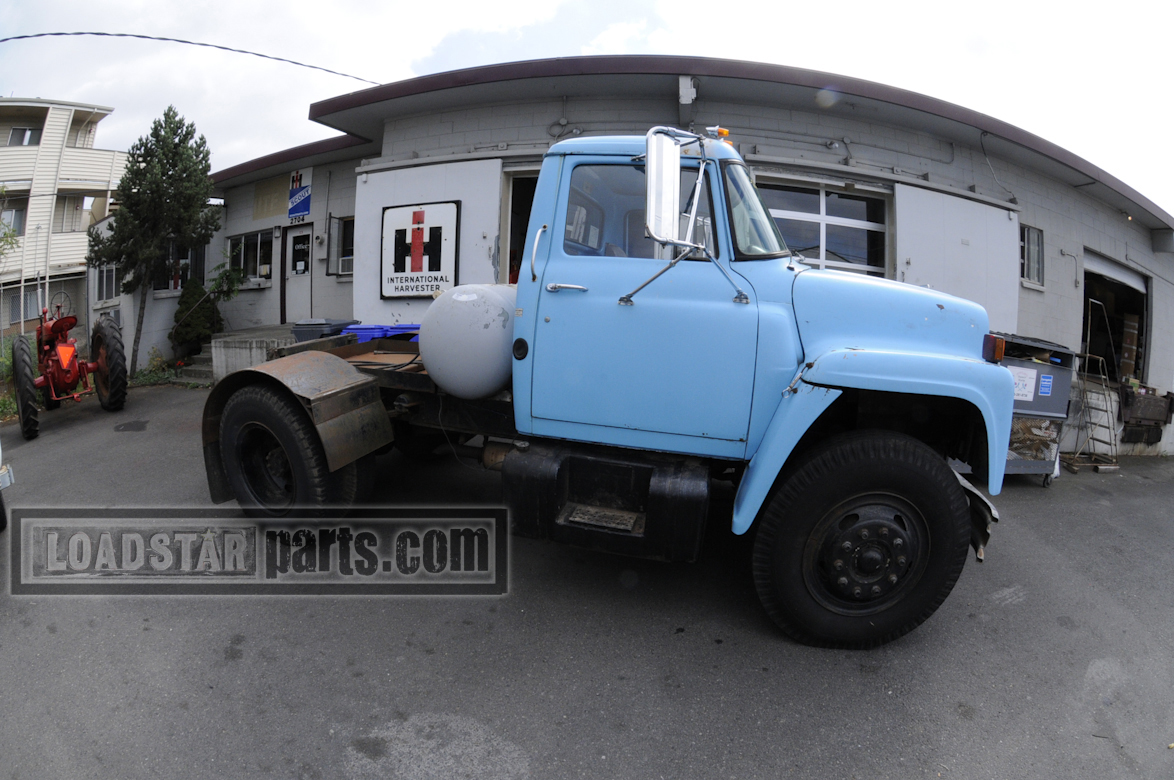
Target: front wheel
274 460
863 542
26 390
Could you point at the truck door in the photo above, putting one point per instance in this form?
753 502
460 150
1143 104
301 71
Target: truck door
677 363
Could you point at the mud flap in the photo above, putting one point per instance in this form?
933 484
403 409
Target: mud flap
982 515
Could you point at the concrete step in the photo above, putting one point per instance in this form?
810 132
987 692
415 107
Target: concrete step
197 372
187 382
201 359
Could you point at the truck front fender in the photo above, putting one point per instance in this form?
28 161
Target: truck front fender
342 403
794 415
990 388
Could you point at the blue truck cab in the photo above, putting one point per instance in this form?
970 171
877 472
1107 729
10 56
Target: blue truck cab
666 340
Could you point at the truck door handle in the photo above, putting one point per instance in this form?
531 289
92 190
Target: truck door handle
533 254
552 287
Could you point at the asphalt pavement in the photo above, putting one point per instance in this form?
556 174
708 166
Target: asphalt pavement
1054 658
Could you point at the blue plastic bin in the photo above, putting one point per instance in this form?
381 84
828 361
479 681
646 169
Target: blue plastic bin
368 332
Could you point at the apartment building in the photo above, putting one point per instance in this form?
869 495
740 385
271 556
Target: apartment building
55 185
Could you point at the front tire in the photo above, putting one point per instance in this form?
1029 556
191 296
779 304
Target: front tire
274 460
107 351
26 390
862 543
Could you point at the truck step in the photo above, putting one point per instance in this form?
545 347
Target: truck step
599 517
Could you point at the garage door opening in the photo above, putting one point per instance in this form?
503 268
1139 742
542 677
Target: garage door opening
1114 320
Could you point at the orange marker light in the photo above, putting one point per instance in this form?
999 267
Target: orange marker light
992 348
722 132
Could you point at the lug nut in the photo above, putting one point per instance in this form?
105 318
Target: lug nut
883 531
837 564
876 590
863 533
846 547
892 579
900 560
856 591
842 582
898 542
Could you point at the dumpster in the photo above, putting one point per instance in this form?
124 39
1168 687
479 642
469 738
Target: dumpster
1043 376
319 328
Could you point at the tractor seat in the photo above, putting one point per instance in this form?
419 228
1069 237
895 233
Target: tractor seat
62 326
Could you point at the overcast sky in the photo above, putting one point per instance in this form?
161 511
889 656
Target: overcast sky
1094 78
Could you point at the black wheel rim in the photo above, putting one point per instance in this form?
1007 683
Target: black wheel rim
265 468
866 554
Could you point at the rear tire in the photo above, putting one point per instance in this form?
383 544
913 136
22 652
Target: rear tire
26 390
107 351
274 460
862 543
47 400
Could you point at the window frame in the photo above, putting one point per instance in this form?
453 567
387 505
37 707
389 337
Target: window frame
107 279
264 234
20 206
32 136
1024 262
824 220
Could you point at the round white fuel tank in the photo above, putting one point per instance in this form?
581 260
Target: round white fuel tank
466 337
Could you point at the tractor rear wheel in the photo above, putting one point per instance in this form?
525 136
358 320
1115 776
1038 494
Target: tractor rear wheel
26 391
107 351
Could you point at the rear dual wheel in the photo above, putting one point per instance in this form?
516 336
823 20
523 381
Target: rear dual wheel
274 461
863 542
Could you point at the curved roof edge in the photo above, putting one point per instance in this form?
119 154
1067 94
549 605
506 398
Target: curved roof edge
285 156
736 69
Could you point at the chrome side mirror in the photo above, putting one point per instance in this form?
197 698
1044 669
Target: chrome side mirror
663 186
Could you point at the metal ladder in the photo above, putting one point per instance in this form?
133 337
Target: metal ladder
1097 423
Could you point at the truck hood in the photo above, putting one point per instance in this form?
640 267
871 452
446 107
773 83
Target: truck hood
841 310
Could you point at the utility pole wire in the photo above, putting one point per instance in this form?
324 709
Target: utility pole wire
189 43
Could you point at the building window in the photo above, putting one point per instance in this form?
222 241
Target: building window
254 253
13 213
32 302
180 265
108 283
1031 254
24 136
831 229
346 258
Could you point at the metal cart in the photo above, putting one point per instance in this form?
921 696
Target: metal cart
1043 376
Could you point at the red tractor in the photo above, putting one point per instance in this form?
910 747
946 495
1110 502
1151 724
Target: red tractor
62 372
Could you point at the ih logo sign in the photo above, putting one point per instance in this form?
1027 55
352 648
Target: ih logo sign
417 248
419 255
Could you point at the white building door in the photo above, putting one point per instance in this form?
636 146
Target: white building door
296 276
962 248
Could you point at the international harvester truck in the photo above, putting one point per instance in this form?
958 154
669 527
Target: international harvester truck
662 337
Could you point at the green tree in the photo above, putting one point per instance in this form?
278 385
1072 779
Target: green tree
163 201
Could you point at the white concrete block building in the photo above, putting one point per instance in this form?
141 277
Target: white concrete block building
860 176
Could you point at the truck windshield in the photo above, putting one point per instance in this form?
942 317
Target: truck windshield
755 232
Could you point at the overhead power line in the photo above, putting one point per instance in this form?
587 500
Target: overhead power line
189 43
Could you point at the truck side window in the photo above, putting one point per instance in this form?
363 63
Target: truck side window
605 212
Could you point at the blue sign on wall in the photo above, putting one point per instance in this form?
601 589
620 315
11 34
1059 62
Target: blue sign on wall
299 202
1045 384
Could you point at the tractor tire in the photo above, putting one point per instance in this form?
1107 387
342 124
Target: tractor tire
863 541
274 460
47 400
107 351
26 390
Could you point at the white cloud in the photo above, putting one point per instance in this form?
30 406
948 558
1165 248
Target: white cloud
619 38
